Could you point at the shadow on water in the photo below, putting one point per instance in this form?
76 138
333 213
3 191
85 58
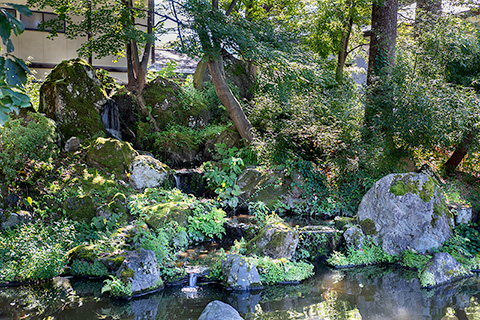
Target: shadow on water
367 293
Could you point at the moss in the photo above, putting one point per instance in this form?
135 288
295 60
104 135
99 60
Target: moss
80 208
126 274
160 214
440 210
368 227
402 185
116 156
428 190
82 252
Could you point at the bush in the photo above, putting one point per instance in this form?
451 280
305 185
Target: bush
27 145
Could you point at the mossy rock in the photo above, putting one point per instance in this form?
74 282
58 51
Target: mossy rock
277 240
162 213
80 208
114 155
73 96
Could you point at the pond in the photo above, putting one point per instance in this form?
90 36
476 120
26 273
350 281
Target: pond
365 293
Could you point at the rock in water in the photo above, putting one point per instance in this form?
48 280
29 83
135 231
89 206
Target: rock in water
217 310
240 274
141 269
276 240
406 211
442 269
73 96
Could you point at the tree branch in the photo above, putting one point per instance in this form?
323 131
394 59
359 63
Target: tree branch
360 45
231 7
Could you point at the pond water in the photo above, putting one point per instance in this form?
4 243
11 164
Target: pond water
366 293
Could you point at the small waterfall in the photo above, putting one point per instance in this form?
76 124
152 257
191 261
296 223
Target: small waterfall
177 182
192 279
111 119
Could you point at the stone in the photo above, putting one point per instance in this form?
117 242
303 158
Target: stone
462 213
140 267
80 208
191 181
73 96
270 187
217 310
239 274
160 214
354 237
343 223
72 144
276 240
406 211
114 155
229 138
148 172
118 206
9 219
442 269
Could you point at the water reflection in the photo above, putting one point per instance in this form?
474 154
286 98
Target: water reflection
368 293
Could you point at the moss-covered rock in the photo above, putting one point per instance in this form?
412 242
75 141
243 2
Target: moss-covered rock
148 172
114 155
118 206
160 214
73 96
277 240
80 208
442 269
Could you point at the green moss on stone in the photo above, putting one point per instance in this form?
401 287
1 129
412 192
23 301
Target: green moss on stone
368 227
116 156
80 208
159 214
126 274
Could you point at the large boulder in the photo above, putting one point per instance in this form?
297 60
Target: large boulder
276 240
239 273
74 97
160 214
406 211
354 237
140 268
268 186
148 172
442 269
217 310
115 155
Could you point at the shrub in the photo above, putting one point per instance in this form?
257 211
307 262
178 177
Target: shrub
26 144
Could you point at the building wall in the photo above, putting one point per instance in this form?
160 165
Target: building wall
33 45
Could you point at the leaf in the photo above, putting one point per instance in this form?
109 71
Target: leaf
5 27
16 74
9 45
23 9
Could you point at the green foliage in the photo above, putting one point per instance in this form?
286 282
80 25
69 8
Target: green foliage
13 71
223 178
168 72
26 144
203 226
35 251
282 270
414 260
370 253
85 268
117 287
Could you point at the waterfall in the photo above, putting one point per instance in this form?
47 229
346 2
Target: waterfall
111 119
177 182
192 279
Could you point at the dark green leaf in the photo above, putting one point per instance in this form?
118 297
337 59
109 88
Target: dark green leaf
16 74
5 27
9 44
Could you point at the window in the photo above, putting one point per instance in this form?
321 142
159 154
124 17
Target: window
37 17
13 12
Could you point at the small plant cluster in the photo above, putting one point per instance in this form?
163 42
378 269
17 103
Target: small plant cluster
274 271
223 178
370 253
27 145
117 288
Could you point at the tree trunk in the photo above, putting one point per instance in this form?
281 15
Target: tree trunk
199 75
460 151
383 38
342 53
227 98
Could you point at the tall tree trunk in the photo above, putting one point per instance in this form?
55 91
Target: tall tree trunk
227 98
460 151
382 52
342 53
383 38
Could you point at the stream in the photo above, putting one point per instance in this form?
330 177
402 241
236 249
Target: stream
365 293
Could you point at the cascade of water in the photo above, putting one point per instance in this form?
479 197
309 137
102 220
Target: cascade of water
177 182
111 119
192 279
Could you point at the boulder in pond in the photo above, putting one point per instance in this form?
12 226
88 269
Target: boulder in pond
240 274
73 96
442 269
217 310
140 268
148 172
354 237
406 211
112 154
276 240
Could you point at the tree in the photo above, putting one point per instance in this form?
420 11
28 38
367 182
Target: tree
109 28
334 23
13 71
239 27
